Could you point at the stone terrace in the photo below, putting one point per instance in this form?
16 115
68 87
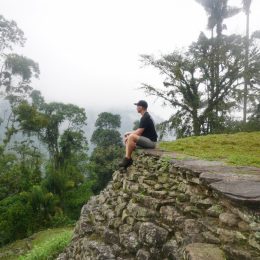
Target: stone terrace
167 207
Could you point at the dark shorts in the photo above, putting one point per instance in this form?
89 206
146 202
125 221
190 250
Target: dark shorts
145 142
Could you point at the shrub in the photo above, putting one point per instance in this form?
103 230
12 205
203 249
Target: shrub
49 249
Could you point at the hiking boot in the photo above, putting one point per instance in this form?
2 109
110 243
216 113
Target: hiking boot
126 162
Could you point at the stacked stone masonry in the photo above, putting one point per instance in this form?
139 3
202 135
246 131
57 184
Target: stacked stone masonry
164 208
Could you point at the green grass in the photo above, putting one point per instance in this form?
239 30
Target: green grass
43 245
235 149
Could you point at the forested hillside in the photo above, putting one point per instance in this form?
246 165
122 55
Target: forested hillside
46 170
55 154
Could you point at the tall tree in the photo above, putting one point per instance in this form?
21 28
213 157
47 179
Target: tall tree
246 8
16 70
37 191
108 150
218 11
106 132
59 127
10 34
188 88
47 122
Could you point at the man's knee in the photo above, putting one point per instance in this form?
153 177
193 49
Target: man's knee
133 137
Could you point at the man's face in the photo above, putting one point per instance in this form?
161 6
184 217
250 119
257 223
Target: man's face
139 109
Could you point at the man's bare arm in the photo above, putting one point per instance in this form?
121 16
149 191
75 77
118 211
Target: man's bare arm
138 131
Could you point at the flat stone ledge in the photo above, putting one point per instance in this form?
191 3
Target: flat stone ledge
238 183
210 177
203 166
239 190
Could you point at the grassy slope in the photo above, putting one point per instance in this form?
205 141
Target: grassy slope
46 243
235 149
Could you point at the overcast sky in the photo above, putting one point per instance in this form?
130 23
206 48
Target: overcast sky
89 50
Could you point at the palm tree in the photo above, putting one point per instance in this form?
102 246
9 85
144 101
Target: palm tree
218 11
246 8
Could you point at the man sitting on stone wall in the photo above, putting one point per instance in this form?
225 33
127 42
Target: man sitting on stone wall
145 136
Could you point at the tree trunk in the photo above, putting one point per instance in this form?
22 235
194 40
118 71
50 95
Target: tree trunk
196 123
246 79
217 76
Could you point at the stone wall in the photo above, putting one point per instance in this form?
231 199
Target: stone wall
165 208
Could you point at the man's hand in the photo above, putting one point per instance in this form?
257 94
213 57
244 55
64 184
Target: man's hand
127 133
126 136
138 131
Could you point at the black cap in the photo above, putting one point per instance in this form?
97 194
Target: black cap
141 103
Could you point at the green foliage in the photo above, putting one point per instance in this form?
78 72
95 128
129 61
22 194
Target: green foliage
203 100
10 34
72 142
22 66
49 192
106 137
25 212
255 117
19 170
218 11
50 248
213 78
16 72
45 121
106 133
24 247
35 191
238 149
61 220
103 162
108 150
56 202
44 203
108 120
235 126
187 88
16 216
75 198
20 69
29 118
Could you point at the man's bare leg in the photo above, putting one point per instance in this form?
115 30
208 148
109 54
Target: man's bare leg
131 144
